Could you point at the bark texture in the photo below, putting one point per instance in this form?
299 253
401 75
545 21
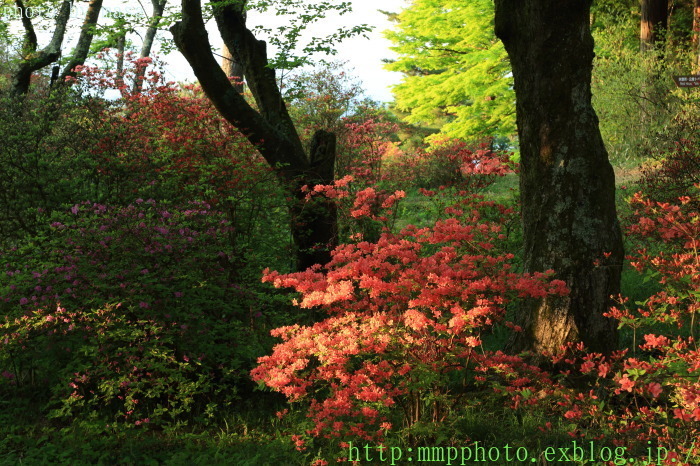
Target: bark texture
232 68
87 32
696 34
567 183
654 22
270 127
33 59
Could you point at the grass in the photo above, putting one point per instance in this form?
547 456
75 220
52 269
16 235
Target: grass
206 448
252 436
504 189
421 211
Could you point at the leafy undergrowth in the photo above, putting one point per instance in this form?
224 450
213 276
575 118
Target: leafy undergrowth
80 446
253 436
249 435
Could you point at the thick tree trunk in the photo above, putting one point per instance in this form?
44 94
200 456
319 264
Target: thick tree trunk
654 22
567 183
316 229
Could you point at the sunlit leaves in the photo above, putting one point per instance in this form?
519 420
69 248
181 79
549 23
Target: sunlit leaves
454 67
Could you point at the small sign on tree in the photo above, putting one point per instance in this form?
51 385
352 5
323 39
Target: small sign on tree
692 80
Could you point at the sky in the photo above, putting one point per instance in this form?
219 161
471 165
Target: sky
363 55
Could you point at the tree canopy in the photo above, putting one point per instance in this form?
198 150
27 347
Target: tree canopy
454 67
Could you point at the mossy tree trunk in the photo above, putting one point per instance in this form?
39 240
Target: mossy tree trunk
567 183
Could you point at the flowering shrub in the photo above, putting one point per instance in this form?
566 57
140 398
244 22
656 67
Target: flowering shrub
366 208
149 309
664 377
45 160
105 362
453 162
169 142
363 210
646 398
675 164
407 315
365 144
402 347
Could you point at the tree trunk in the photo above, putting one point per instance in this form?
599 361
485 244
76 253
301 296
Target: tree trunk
270 127
567 184
232 68
33 59
121 48
654 22
156 16
87 32
316 220
696 35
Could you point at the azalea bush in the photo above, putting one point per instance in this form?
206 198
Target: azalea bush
169 142
177 148
402 352
45 160
109 365
401 347
329 99
675 164
367 204
664 374
366 143
455 162
363 211
407 315
131 313
645 398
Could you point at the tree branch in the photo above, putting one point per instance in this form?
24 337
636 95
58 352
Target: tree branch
29 44
156 16
87 32
252 56
34 60
192 40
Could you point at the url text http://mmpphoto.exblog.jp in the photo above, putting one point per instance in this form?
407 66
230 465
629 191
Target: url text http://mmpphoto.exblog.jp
571 453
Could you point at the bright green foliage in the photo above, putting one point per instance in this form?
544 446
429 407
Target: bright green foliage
634 94
454 66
